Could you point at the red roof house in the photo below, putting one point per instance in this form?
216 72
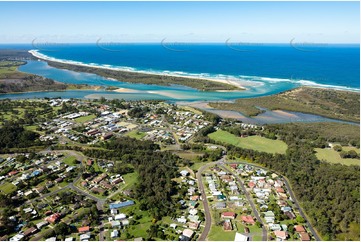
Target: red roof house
84 229
11 173
299 228
228 215
248 219
304 236
281 234
53 218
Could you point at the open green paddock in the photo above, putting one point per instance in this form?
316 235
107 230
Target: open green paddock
251 142
334 157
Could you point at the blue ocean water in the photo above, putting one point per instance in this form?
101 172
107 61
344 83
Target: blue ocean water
262 69
334 65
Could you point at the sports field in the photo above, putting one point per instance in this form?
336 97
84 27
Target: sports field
252 142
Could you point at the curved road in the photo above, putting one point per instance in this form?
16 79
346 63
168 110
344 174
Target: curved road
313 231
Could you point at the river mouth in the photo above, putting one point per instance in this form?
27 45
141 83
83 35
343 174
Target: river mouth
173 94
137 91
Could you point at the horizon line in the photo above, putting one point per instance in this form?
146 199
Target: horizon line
184 42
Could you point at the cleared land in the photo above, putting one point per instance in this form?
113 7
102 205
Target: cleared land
252 142
329 103
333 156
136 134
7 188
85 118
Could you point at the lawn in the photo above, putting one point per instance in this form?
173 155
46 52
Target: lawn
189 155
218 234
252 142
70 160
333 156
7 188
130 179
84 118
135 134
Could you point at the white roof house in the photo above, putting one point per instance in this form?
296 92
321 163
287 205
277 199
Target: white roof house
240 237
85 236
114 233
120 216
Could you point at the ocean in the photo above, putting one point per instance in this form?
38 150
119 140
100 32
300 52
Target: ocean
264 69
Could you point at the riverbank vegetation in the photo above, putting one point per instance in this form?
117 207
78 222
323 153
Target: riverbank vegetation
329 103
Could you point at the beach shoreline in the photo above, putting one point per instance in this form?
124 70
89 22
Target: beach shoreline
38 55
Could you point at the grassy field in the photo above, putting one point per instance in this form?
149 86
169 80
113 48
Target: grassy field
7 188
333 156
84 119
252 142
135 134
189 155
70 160
218 234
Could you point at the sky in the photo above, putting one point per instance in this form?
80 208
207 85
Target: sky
253 22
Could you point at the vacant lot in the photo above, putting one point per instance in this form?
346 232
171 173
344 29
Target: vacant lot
7 188
135 134
84 118
333 156
252 142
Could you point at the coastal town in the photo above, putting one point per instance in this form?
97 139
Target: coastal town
63 194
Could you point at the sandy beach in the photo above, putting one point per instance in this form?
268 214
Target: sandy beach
126 90
38 55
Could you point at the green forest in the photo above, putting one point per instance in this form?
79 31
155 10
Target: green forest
156 170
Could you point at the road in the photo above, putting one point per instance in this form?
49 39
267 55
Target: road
313 231
207 213
250 201
80 157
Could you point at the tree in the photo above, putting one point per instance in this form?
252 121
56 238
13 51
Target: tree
300 219
352 154
62 229
338 148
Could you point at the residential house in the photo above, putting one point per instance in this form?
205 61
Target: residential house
240 237
30 231
228 215
53 218
85 236
114 234
115 223
120 216
84 229
304 236
248 219
281 234
188 233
